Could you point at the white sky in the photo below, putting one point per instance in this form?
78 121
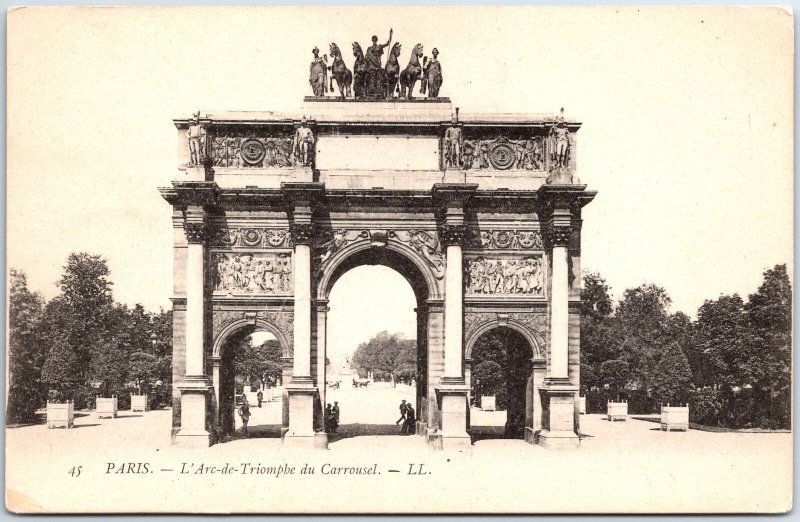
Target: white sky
687 126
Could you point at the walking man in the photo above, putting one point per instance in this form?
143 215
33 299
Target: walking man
403 409
260 397
328 418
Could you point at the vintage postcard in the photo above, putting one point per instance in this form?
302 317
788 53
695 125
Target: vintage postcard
342 260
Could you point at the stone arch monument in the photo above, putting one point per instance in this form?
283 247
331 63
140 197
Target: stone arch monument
480 212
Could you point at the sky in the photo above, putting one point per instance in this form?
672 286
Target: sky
686 136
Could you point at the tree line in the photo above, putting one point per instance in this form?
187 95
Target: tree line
81 344
389 357
732 364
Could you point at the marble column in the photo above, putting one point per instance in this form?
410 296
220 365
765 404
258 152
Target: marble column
195 386
301 389
453 391
559 426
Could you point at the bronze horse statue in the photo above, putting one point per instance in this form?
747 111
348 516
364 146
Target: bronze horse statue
359 72
392 70
411 73
340 72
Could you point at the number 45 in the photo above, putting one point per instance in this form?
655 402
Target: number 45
75 471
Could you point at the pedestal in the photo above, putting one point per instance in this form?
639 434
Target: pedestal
454 176
453 404
560 427
301 416
195 391
302 174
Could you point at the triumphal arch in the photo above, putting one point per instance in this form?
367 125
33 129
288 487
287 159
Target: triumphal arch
481 213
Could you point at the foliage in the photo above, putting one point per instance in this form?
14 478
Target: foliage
390 354
501 367
736 356
26 355
672 376
260 364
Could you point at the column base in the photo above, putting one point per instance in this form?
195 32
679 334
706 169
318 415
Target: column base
558 439
192 433
560 428
300 433
452 397
190 439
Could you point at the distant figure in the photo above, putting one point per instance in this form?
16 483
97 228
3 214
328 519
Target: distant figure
409 426
403 410
335 412
260 396
244 413
328 418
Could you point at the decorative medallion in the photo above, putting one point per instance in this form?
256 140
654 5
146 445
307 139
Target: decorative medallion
253 151
502 156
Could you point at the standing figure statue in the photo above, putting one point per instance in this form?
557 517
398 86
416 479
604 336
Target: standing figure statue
340 72
412 73
560 142
375 78
303 143
392 72
454 144
432 78
359 72
197 140
318 75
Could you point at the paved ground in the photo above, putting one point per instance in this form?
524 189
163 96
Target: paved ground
620 466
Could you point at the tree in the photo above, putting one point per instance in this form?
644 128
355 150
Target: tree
260 363
599 339
642 315
672 376
615 374
769 311
386 353
26 354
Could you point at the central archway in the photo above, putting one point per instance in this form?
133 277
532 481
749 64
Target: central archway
423 283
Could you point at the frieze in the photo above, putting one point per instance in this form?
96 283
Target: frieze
505 239
504 153
523 276
257 273
426 244
262 148
282 321
252 237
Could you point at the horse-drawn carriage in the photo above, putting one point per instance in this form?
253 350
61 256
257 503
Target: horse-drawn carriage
360 383
333 385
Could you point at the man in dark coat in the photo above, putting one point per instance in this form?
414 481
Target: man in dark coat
410 425
403 409
335 412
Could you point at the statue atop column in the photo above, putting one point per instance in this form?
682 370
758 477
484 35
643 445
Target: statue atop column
303 144
318 74
453 144
432 78
560 141
197 140
375 71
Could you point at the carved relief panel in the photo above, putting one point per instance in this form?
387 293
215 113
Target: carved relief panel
252 237
253 148
518 276
504 239
252 273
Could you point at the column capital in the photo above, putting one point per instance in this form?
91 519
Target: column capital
452 235
559 234
196 233
302 233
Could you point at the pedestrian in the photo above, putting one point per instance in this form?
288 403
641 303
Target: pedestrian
403 409
328 418
335 412
260 396
244 413
409 426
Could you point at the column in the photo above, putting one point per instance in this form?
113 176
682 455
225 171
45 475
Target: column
559 304
195 386
559 425
301 389
453 391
